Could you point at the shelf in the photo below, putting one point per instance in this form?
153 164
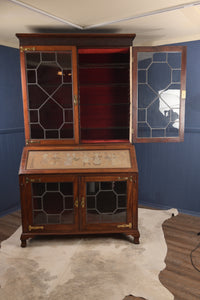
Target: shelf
105 104
106 65
104 84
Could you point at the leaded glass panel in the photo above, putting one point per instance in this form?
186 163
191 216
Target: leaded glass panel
159 87
106 202
50 94
53 203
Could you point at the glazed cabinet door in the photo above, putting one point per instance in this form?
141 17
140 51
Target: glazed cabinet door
49 85
49 204
159 82
107 203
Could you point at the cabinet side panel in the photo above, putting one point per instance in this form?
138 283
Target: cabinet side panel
24 95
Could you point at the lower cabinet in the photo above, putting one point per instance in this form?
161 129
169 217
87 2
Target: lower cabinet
79 204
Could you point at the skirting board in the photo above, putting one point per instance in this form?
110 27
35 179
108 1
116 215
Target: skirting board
159 206
10 210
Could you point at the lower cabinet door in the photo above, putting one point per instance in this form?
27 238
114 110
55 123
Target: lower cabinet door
52 204
106 203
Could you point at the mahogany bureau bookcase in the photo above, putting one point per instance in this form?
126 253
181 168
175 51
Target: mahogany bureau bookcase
86 99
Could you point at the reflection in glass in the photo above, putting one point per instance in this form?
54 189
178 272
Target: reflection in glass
159 85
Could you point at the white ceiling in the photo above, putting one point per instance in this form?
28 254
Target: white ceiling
155 22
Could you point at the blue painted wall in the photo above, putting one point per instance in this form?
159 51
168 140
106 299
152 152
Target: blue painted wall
11 128
169 173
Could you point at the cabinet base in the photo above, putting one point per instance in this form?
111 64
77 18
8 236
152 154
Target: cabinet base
25 237
136 239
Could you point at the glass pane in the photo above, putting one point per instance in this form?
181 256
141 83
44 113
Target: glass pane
63 96
67 217
38 189
64 60
92 188
49 82
106 202
39 217
159 85
48 76
36 96
37 131
51 115
69 203
53 203
32 60
52 186
66 188
37 203
31 76
53 219
48 56
33 116
52 134
67 131
68 115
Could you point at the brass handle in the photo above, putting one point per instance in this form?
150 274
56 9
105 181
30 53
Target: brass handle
76 202
82 202
129 225
35 227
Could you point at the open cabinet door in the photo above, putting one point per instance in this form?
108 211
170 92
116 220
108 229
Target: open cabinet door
159 78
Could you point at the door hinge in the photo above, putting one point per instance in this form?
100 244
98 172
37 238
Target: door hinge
30 227
75 100
28 142
22 49
32 180
129 225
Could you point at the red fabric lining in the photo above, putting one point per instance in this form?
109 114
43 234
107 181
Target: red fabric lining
104 82
103 50
104 76
104 94
103 116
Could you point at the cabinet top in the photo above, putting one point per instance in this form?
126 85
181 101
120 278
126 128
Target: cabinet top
76 39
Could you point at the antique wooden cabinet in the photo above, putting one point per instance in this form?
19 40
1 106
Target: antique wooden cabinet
86 98
79 189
